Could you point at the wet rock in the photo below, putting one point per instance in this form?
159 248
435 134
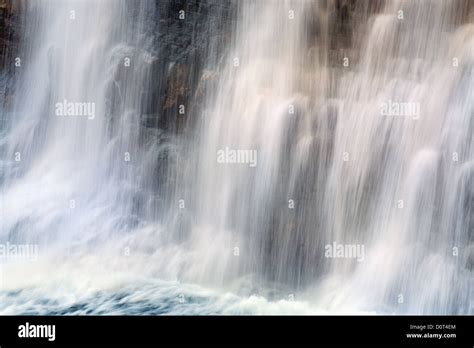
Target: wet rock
192 37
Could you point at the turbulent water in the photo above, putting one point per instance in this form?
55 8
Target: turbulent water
319 125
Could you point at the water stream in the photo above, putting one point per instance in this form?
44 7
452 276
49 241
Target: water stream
325 170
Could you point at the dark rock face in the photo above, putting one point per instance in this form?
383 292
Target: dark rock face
10 30
4 29
189 36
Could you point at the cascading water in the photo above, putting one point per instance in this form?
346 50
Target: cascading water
323 124
64 136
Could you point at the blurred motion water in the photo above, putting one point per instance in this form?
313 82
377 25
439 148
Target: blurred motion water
322 124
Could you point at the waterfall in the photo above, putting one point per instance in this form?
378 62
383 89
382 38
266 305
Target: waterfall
320 128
